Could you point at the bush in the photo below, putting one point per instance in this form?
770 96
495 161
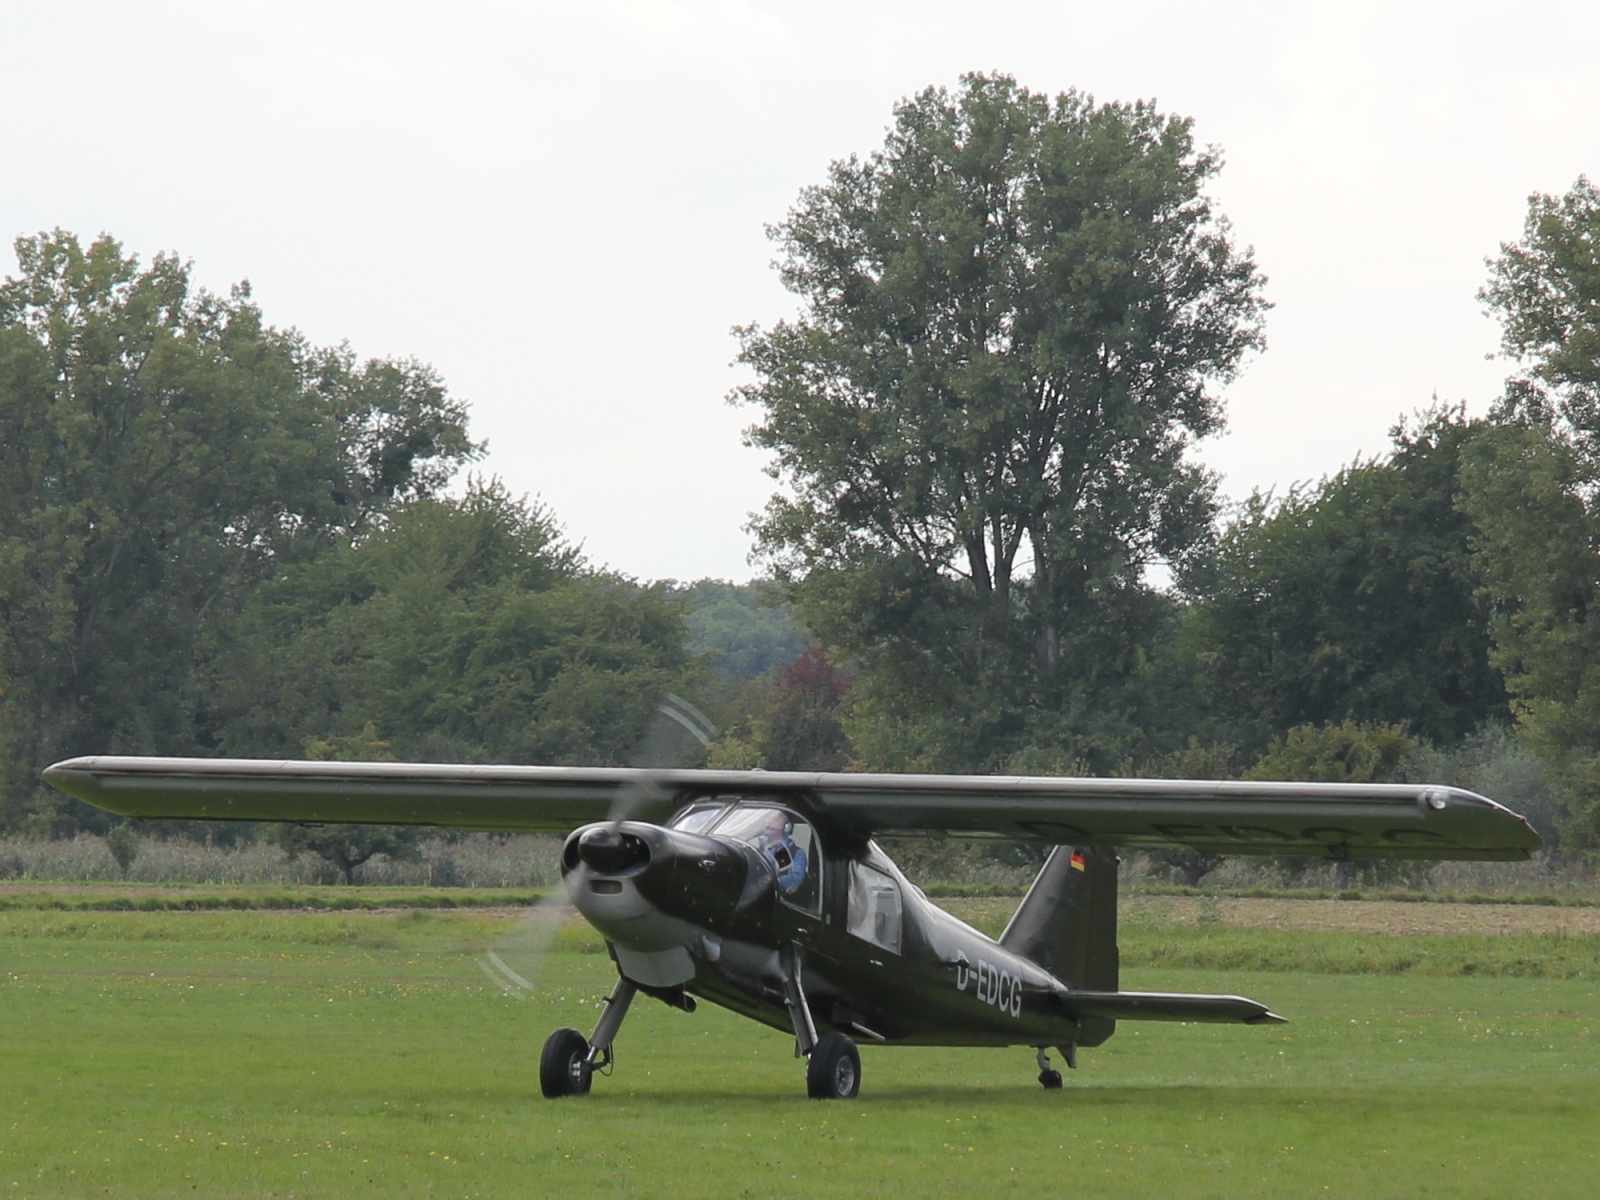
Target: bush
473 860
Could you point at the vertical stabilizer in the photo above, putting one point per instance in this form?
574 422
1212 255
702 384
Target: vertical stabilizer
1067 923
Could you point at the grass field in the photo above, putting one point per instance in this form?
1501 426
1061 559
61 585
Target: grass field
149 1054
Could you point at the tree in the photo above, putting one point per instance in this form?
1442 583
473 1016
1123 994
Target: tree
1532 496
1494 762
350 846
1546 291
161 449
1015 318
1533 488
801 730
1192 761
1349 752
1358 599
747 627
463 629
789 720
122 840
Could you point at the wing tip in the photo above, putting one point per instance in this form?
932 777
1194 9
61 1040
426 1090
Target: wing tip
1266 1017
58 775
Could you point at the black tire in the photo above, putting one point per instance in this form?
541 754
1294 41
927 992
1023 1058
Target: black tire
564 1066
834 1070
1050 1078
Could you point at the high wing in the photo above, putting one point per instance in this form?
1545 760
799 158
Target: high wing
1341 820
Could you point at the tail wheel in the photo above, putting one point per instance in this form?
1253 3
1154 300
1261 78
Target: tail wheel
833 1071
564 1068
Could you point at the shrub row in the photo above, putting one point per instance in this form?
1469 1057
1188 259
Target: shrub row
322 899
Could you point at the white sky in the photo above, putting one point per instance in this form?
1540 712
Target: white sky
560 205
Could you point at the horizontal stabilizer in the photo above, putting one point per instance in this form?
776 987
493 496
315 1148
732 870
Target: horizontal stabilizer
1169 1006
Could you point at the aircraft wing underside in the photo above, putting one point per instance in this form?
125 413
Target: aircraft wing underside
1340 820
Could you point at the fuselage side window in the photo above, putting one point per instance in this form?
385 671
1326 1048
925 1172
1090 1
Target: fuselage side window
785 841
874 913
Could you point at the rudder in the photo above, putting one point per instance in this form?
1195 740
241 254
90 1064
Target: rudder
1067 923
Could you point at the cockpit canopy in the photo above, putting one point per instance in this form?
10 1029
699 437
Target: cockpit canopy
781 836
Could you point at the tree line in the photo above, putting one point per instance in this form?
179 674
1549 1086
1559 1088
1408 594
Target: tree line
993 550
219 539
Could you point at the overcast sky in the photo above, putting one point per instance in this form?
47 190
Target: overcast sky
561 205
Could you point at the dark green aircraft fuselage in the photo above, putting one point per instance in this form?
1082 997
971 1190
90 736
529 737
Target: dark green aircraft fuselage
849 941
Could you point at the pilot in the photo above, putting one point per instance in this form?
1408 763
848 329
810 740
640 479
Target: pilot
782 852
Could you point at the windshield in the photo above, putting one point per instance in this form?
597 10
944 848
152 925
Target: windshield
698 818
786 842
754 825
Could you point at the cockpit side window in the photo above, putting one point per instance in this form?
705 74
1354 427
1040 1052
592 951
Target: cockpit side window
787 842
697 818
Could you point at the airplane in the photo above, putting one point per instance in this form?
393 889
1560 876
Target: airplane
766 893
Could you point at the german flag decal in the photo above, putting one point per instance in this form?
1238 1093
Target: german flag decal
1077 862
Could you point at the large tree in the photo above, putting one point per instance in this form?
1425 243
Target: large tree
1015 319
161 448
1533 487
1357 599
1546 291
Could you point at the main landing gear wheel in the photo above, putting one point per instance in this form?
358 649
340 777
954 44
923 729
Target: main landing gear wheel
564 1068
833 1072
1048 1075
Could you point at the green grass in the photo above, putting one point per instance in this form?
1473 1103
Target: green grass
1532 956
276 1054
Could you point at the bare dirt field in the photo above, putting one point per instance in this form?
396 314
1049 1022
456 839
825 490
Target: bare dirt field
1364 916
1389 917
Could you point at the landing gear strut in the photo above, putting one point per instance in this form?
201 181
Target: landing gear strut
569 1060
833 1064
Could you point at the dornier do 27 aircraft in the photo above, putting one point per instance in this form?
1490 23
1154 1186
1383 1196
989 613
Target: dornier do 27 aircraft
765 892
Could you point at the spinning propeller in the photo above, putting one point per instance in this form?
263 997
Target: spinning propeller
676 736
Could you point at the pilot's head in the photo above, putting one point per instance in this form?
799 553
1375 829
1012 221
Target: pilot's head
777 827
